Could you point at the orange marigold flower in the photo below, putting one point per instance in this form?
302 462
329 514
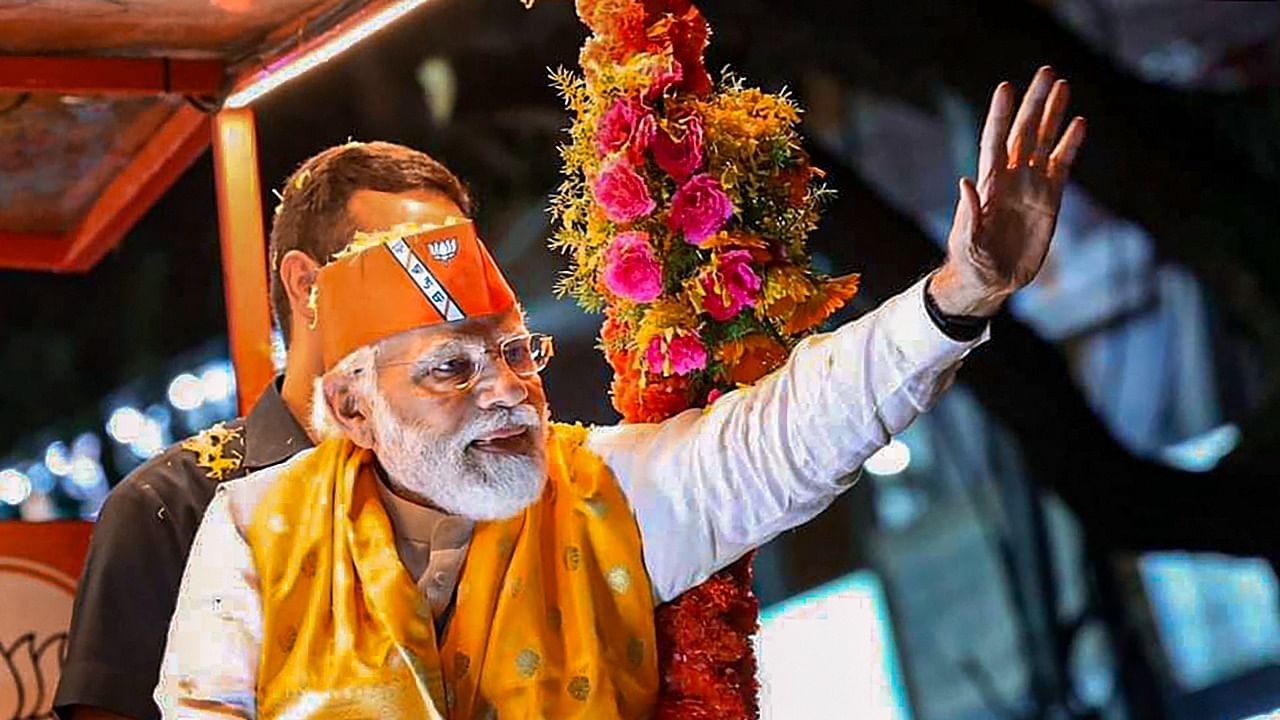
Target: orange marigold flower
643 398
785 286
662 398
688 34
751 357
614 328
612 17
740 240
624 391
796 182
614 334
832 296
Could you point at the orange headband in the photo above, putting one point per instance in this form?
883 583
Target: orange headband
409 278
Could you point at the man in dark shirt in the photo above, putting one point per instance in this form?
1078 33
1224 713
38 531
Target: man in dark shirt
144 531
139 550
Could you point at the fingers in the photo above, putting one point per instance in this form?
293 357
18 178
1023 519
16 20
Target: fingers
991 149
1030 139
1055 109
1065 153
1022 137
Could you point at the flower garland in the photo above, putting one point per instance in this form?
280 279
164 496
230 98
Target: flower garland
684 211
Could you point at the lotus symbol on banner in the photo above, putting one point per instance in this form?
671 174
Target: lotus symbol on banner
35 610
444 250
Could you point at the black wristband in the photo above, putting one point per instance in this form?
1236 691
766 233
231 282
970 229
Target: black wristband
961 328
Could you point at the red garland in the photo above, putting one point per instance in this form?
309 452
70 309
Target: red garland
706 660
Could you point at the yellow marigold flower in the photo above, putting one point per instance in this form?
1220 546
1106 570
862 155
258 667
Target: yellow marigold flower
663 317
746 115
785 287
364 240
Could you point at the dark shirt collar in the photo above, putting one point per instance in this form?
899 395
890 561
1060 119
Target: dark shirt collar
272 433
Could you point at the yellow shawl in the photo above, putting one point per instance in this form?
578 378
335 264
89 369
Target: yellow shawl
553 618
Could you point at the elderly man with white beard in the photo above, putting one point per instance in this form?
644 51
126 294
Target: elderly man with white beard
449 552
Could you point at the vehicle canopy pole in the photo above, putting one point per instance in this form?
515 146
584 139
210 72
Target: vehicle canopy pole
244 255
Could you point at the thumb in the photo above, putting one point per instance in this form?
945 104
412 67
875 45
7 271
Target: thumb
964 227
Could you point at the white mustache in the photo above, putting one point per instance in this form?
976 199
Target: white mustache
523 416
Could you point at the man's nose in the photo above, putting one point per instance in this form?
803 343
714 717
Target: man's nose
499 387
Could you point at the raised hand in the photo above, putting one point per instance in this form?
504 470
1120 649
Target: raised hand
1004 223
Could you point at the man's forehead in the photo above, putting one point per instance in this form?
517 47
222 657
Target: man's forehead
374 210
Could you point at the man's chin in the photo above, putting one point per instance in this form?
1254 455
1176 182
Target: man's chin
499 484
495 507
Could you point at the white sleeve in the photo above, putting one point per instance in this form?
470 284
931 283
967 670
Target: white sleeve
210 663
707 486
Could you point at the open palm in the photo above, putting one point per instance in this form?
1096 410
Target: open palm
1004 222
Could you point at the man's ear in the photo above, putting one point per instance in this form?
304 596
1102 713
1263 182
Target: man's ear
349 408
298 275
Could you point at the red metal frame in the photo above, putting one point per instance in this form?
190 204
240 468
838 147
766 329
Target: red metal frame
166 156
33 251
114 76
244 254
130 193
159 163
151 171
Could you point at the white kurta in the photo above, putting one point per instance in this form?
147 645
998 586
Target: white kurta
705 486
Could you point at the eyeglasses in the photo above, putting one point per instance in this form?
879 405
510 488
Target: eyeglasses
456 366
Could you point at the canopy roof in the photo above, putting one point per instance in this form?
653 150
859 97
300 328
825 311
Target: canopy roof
104 103
208 29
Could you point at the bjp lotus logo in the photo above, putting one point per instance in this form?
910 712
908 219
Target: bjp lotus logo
35 610
444 250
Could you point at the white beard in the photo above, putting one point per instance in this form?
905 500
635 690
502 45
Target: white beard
445 472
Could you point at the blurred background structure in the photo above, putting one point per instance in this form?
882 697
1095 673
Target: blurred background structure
1085 527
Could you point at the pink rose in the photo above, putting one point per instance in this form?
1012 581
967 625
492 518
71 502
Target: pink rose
664 80
731 286
682 355
641 139
699 209
714 395
680 158
631 269
627 124
622 192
